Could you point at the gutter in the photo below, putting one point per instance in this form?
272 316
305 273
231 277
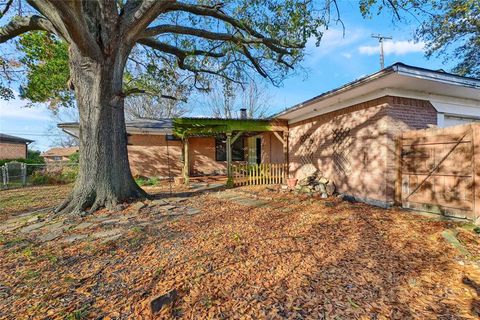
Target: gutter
399 68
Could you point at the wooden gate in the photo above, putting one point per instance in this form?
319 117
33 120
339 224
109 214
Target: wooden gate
440 171
259 174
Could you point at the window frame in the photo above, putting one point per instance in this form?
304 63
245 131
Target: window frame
238 149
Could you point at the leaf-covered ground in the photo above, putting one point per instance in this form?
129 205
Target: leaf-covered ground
246 253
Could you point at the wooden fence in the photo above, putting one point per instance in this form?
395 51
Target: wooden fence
439 171
259 174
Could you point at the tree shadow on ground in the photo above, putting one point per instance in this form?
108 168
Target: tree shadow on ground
353 261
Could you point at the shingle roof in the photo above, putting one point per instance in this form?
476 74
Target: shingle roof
8 138
62 152
150 124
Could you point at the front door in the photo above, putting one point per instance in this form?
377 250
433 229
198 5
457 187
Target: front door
254 150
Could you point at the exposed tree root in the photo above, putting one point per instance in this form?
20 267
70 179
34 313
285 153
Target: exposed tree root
81 202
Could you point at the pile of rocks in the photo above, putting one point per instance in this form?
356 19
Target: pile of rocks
316 183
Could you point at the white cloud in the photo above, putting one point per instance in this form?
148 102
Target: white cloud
15 109
332 41
347 55
394 47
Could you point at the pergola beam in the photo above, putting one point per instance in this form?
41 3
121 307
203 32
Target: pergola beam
208 126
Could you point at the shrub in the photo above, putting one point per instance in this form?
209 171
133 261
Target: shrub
40 178
74 158
66 175
144 181
69 174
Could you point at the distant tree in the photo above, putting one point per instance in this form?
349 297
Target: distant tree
59 138
164 97
453 31
450 28
226 100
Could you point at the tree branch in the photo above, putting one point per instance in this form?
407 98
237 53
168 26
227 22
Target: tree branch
214 12
7 7
72 15
179 53
137 15
20 25
162 29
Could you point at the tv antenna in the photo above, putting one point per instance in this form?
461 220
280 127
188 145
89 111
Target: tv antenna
380 41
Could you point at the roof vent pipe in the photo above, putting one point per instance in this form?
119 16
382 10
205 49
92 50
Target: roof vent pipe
243 113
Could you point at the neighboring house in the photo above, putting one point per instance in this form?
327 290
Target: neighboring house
59 154
348 133
12 147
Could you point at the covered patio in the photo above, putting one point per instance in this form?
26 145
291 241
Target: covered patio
229 131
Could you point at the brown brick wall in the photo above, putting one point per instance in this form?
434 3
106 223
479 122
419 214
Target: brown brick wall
148 156
272 148
202 157
404 114
355 146
12 150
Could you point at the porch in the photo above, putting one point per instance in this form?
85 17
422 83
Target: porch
246 151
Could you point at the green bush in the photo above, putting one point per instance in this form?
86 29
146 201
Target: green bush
42 177
69 174
33 157
74 158
144 181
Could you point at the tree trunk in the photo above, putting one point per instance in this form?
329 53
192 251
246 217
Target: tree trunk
104 178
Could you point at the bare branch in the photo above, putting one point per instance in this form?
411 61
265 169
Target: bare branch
161 29
214 12
7 7
179 53
20 25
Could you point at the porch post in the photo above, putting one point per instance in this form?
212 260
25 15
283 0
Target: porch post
285 152
186 165
229 160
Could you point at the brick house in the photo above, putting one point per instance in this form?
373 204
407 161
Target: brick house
12 147
58 154
348 133
154 150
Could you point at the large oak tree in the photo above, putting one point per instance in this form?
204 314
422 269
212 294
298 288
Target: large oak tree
229 39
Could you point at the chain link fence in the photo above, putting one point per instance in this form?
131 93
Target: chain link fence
18 174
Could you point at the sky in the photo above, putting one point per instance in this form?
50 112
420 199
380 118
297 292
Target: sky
343 56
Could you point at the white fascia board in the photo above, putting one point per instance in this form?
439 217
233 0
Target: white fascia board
456 110
74 132
438 76
435 97
447 104
340 105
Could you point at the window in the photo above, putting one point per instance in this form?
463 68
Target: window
57 158
238 153
171 137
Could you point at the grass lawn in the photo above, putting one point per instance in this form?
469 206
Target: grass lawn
31 198
249 253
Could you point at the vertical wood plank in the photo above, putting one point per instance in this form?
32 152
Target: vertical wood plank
476 171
